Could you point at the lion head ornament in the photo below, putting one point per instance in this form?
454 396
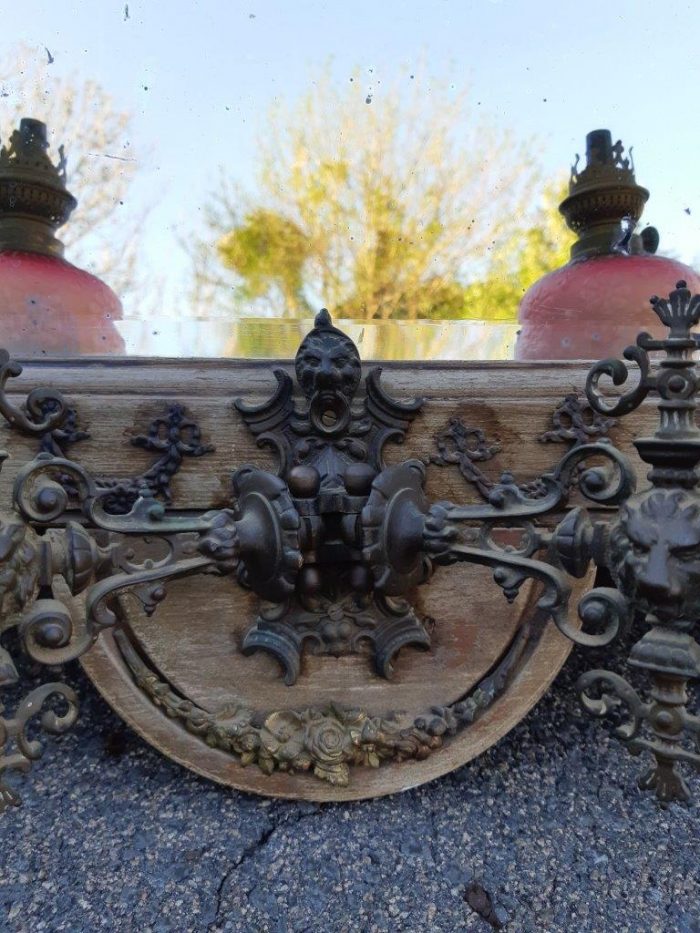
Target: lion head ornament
655 554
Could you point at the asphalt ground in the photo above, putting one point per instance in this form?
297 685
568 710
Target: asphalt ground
547 831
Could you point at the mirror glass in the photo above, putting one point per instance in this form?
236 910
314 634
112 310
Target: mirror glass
238 166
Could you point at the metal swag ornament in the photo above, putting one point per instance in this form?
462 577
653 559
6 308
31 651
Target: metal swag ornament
335 543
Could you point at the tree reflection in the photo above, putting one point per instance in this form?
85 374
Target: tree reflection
403 206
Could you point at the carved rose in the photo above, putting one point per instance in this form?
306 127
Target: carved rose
282 743
328 740
233 730
330 745
234 722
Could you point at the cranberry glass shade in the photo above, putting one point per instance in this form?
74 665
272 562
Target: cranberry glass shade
599 301
590 309
49 306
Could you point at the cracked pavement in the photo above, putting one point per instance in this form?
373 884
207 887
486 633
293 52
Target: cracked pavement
113 836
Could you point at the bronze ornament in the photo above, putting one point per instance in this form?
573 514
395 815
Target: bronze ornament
173 436
336 545
326 741
333 545
574 422
34 200
14 730
652 550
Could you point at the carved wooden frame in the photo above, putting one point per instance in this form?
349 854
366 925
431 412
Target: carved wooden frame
334 544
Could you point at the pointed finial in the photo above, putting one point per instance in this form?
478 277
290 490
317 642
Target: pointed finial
323 319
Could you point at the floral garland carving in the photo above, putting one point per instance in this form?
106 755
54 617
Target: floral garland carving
328 741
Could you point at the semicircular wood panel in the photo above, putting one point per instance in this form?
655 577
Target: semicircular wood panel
342 731
180 680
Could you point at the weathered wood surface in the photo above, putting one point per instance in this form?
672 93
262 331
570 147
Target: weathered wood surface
116 400
207 618
343 681
194 637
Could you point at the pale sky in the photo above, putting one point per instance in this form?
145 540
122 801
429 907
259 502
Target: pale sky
200 76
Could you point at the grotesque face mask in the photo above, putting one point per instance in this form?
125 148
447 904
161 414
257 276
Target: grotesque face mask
327 361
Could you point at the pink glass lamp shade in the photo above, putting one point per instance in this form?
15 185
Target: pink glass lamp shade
47 305
599 301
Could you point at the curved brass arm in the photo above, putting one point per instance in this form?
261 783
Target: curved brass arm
507 501
601 607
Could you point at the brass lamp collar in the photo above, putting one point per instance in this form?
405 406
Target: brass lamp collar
605 202
34 199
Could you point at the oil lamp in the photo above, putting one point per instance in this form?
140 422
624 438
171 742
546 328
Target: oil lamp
599 300
49 306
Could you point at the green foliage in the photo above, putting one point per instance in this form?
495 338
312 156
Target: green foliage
399 210
267 250
525 258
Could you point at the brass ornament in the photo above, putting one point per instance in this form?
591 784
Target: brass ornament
34 200
14 731
605 202
652 550
574 422
335 543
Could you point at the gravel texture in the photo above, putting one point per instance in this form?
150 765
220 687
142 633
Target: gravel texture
545 832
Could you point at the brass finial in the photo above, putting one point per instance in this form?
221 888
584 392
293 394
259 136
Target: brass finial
34 200
605 202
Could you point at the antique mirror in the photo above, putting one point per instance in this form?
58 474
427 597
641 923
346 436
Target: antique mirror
306 457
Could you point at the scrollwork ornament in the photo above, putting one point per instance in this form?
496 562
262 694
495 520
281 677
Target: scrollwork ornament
652 550
173 436
466 446
604 609
332 740
574 422
336 542
619 374
40 494
603 692
46 631
15 730
44 409
600 485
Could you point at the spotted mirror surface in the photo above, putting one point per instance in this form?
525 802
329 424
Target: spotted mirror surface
236 167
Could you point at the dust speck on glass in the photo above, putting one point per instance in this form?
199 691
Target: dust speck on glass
201 183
